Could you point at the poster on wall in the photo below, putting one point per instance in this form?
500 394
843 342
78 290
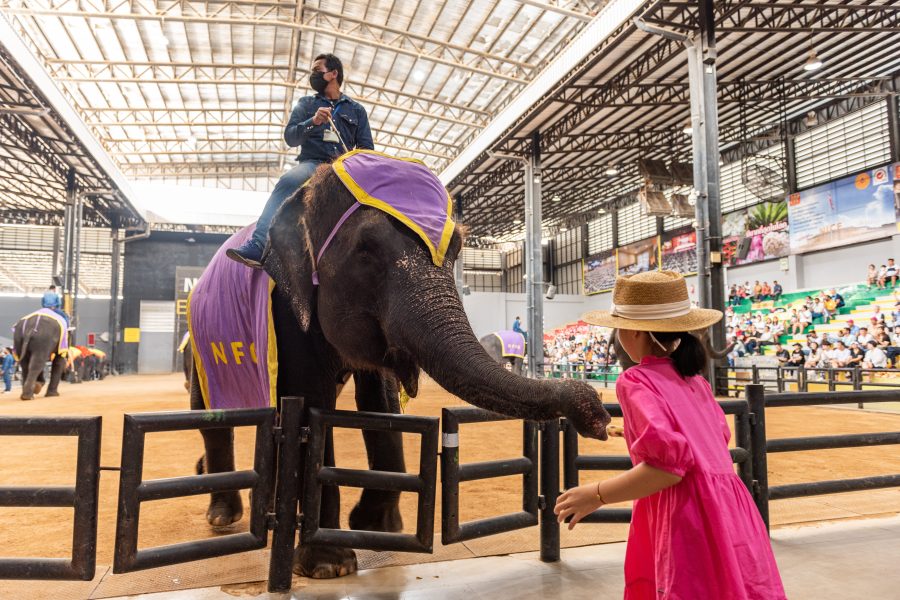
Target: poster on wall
679 251
765 226
854 209
185 280
638 257
599 272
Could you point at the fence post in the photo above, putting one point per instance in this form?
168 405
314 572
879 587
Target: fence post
802 385
857 383
755 370
549 490
830 377
756 398
570 453
779 378
287 490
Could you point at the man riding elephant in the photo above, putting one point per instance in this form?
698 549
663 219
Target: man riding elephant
37 338
361 260
325 126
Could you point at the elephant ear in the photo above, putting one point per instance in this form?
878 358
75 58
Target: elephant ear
287 258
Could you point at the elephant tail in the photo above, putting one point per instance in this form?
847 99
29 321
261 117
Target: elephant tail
27 332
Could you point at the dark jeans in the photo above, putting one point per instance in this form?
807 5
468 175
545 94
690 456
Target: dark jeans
286 186
60 312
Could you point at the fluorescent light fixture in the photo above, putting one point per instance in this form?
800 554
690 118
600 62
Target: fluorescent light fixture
612 170
813 62
688 128
555 198
517 221
812 119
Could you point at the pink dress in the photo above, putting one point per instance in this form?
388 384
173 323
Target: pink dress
702 538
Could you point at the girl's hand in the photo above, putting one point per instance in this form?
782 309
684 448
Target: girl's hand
577 503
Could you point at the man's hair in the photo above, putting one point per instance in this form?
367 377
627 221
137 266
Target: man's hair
52 287
333 63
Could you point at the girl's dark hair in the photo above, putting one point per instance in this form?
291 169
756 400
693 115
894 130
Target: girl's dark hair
689 357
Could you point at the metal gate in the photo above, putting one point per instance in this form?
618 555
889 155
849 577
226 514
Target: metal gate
83 497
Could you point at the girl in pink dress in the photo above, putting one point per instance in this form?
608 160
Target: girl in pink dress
695 533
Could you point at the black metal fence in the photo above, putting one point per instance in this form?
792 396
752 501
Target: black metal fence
296 439
453 474
133 490
760 402
780 378
83 497
317 474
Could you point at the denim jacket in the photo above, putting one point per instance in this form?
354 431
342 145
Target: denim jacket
348 115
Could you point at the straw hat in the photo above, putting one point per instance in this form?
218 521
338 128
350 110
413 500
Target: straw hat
653 301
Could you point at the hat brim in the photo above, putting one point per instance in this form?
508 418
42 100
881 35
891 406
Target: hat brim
697 318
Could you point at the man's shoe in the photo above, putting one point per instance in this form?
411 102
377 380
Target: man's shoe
250 254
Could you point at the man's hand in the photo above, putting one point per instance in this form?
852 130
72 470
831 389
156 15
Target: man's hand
322 115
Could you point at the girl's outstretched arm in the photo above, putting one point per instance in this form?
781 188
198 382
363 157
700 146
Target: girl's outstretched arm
638 482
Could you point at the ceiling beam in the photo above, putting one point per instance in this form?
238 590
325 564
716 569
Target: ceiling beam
354 30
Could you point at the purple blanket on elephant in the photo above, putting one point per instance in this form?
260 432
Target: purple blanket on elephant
404 188
45 313
512 343
232 333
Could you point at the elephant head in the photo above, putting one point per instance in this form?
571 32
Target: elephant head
382 304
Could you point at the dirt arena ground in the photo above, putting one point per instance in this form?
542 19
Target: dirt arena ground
47 532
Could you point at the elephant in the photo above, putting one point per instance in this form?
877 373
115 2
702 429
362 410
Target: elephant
493 345
703 335
36 341
380 311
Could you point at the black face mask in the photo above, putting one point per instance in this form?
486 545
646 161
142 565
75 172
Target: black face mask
317 81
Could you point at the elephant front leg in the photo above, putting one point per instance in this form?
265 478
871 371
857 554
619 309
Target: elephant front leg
56 372
325 562
379 510
225 508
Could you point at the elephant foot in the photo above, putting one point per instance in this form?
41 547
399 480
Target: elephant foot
50 394
187 385
380 518
37 388
224 512
28 397
324 563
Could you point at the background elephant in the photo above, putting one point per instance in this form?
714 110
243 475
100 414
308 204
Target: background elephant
494 347
703 335
381 312
35 339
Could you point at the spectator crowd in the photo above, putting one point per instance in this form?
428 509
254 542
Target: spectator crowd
583 348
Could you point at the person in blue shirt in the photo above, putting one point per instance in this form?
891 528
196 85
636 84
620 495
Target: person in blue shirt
310 127
8 365
52 301
517 327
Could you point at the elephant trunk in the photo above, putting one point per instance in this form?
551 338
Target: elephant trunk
432 326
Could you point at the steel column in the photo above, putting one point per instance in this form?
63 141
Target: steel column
68 238
534 268
705 135
459 266
114 297
893 112
76 270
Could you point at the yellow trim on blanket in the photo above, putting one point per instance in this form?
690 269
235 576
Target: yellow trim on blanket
272 351
198 361
438 253
503 347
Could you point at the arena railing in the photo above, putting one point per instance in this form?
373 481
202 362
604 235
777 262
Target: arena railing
760 401
82 497
317 475
605 374
735 379
453 474
134 490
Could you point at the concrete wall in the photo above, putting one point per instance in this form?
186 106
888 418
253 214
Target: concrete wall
150 275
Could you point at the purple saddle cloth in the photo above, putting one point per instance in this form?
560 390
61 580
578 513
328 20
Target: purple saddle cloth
232 333
512 342
404 188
